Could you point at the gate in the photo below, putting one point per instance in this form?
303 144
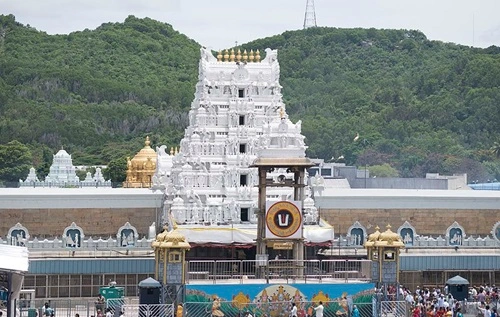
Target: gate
148 310
394 309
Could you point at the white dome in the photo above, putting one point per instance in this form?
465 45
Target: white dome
62 153
178 201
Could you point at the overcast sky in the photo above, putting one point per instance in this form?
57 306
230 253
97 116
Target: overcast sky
219 24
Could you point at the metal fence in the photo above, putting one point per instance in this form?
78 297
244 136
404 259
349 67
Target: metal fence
276 309
69 307
143 310
393 309
289 270
131 308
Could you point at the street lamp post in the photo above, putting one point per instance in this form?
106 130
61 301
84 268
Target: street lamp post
364 143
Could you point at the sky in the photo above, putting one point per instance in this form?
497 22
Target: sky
218 24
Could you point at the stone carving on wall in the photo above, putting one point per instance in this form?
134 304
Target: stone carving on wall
18 235
407 233
127 235
495 232
356 234
73 236
455 234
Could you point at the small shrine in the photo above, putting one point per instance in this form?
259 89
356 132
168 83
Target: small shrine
141 168
170 249
383 249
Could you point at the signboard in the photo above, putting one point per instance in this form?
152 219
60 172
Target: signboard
283 245
283 220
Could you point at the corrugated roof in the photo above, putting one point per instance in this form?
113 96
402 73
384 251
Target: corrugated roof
450 262
93 266
146 265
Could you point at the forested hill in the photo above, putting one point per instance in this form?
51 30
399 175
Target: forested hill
418 105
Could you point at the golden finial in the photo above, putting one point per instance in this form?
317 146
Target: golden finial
231 57
226 56
250 57
282 113
147 142
238 55
219 56
171 150
245 55
257 56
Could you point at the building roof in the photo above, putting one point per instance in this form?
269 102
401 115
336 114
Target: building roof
457 280
337 198
86 197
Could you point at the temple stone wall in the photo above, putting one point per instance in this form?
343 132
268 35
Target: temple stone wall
426 221
95 222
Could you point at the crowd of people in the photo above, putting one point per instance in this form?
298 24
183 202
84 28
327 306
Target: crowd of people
436 303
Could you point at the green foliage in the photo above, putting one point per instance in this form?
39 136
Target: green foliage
384 170
423 106
116 171
91 90
16 161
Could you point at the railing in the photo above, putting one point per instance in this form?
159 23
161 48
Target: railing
341 308
147 310
69 307
288 271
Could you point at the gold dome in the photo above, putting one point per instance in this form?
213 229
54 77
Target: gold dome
145 153
141 168
171 240
386 238
374 236
389 238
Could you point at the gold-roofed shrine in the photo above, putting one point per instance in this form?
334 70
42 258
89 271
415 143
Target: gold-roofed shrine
383 250
170 249
388 238
141 168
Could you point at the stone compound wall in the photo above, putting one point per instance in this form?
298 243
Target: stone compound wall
426 221
95 222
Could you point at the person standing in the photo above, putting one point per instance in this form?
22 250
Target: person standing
319 309
486 311
355 311
293 313
180 309
47 310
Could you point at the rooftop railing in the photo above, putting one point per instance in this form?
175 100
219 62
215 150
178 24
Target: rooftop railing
282 271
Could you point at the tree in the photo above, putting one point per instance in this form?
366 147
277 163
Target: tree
384 170
116 171
15 162
495 149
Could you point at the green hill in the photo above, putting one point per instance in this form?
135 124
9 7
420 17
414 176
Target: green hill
419 105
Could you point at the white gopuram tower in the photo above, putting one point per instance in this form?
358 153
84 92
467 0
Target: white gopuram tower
237 105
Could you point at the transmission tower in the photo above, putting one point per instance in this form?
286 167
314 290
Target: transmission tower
310 16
